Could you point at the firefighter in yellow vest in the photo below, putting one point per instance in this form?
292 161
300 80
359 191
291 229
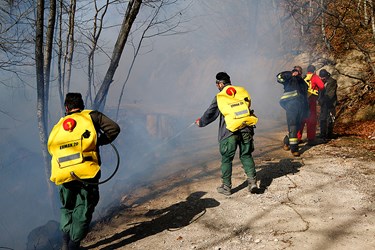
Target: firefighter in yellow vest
74 146
315 84
236 129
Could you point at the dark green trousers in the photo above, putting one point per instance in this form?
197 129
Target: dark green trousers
228 148
78 205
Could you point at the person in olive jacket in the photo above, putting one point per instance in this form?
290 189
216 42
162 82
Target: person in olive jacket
75 165
327 101
229 141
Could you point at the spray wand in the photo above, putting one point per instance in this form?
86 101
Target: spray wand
169 139
179 133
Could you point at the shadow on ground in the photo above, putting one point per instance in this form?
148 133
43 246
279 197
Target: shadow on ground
273 170
171 218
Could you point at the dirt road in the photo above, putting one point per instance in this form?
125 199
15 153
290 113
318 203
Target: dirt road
324 199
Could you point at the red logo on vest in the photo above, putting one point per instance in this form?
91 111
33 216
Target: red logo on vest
69 124
231 91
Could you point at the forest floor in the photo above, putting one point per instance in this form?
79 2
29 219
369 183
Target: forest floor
323 199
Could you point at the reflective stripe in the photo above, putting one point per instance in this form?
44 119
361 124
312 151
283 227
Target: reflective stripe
310 90
69 157
293 141
242 112
289 94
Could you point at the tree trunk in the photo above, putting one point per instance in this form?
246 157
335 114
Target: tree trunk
69 47
41 92
323 26
97 30
372 17
130 15
60 78
48 56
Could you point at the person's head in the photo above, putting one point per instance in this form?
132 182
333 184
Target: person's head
324 74
297 69
73 101
222 79
311 68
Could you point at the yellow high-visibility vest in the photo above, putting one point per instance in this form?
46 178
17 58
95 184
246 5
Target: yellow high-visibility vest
234 104
310 90
72 145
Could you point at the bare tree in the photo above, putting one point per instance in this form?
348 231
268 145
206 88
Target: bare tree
343 25
69 50
48 54
372 18
94 38
323 27
130 15
60 54
342 19
169 25
41 105
15 38
65 50
55 24
43 58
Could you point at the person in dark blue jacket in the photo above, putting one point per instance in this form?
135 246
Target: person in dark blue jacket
294 101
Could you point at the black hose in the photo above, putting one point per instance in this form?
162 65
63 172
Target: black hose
101 182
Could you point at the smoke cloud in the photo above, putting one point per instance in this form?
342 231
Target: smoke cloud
168 89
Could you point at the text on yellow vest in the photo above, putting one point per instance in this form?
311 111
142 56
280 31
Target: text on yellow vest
72 145
310 90
233 103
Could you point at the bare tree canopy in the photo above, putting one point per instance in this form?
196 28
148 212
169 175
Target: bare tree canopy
341 25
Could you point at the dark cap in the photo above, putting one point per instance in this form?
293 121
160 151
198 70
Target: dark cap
324 73
223 77
311 68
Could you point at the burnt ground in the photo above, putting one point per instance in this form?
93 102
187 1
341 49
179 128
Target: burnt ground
321 200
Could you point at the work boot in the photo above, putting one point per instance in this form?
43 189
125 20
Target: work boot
311 142
286 143
224 189
296 154
65 243
252 184
322 136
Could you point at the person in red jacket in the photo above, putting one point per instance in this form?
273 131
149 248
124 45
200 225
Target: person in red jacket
315 84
